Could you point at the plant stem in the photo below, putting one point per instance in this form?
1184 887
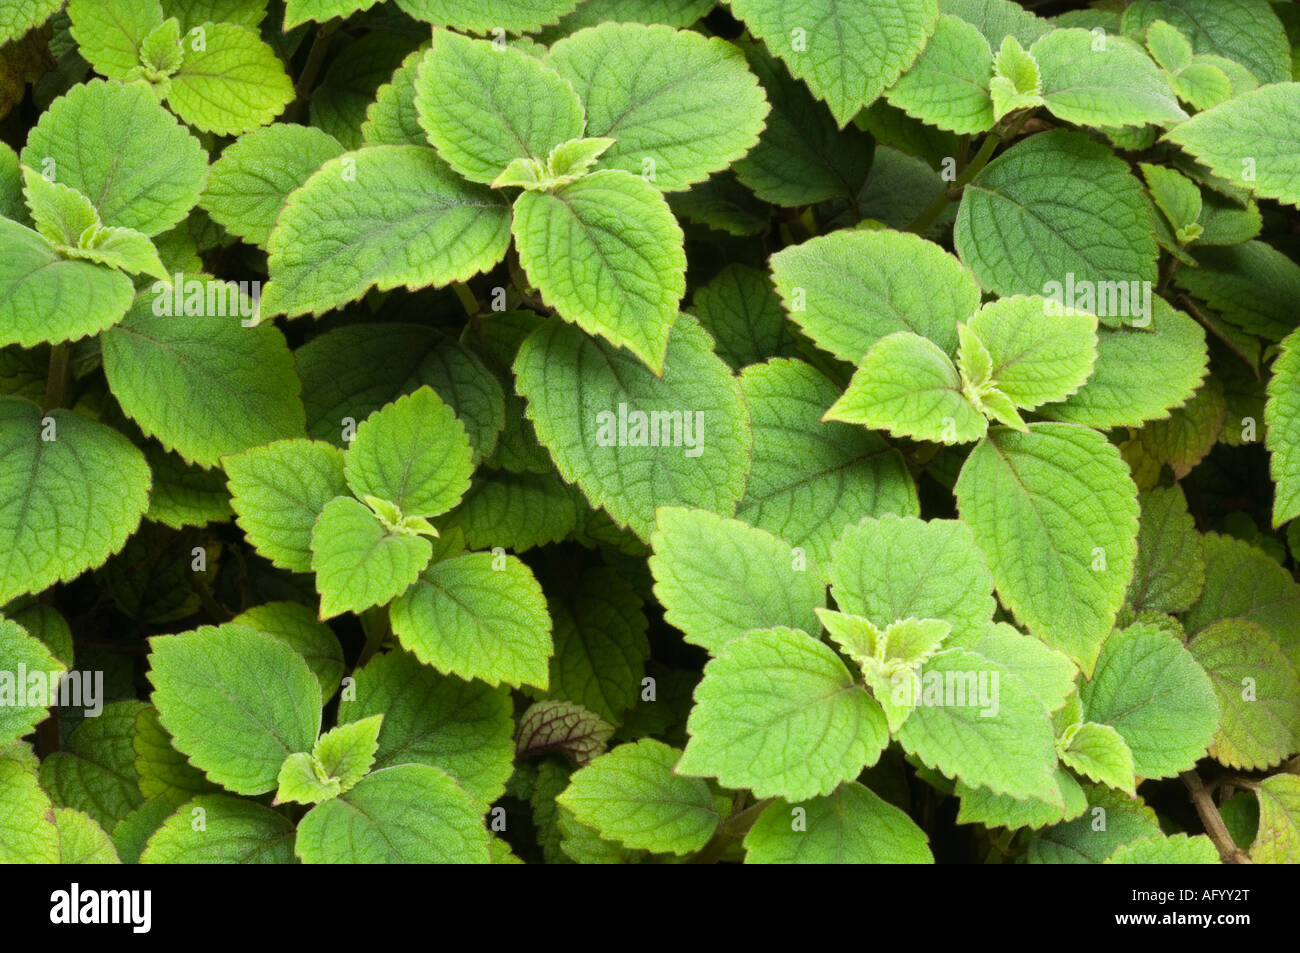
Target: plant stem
311 68
466 296
1213 821
374 622
56 384
941 201
734 827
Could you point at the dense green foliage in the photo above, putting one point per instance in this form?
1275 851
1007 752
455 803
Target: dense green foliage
649 431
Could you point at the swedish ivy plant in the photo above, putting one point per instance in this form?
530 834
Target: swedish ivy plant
778 431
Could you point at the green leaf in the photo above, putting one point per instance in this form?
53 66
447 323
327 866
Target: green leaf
192 13
28 832
718 579
73 490
95 771
514 510
412 453
302 779
122 248
1242 582
778 713
1278 840
294 623
219 829
255 174
392 118
600 643
1247 31
1191 431
1038 355
648 112
81 840
483 105
1029 218
383 217
28 655
114 144
464 728
630 440
358 562
162 771
908 386
1111 818
851 288
997 19
478 616
802 156
1150 689
1258 691
632 796
236 701
482 16
740 310
847 52
16 18
948 86
46 297
977 722
61 214
606 252
1249 140
161 54
278 492
1158 849
1099 752
898 568
1116 85
1017 81
234 83
1251 285
811 479
357 369
850 826
1177 196
347 752
982 806
1049 674
204 386
110 36
321 11
411 813
560 727
1282 430
1055 511
1170 358
1170 567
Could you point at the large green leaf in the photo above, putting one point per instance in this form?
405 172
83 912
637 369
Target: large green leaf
95 771
1149 688
778 713
606 253
851 288
483 105
236 701
631 795
410 813
384 217
650 110
478 616
278 492
811 479
898 568
1243 582
1036 215
1055 511
464 728
1282 422
219 829
850 826
1258 691
204 385
948 86
71 491
1113 83
45 296
483 16
256 173
720 578
847 51
22 653
114 144
360 561
233 84
630 440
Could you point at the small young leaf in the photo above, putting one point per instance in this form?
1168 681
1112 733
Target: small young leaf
1099 752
